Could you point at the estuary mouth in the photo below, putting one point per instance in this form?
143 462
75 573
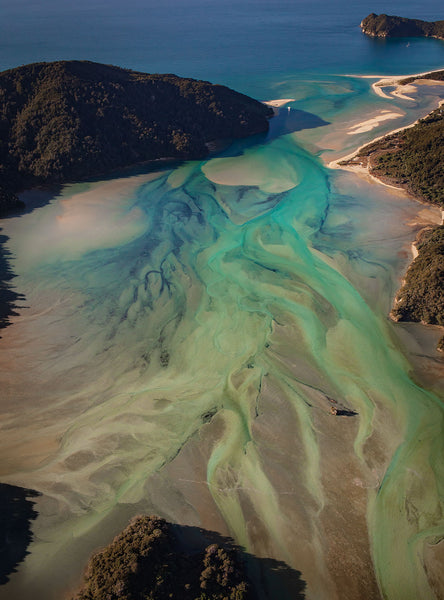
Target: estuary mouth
209 340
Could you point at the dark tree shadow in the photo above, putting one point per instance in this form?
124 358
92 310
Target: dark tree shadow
271 579
16 513
287 120
339 410
290 120
8 296
346 413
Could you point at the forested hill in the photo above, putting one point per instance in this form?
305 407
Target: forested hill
412 158
68 120
391 26
421 298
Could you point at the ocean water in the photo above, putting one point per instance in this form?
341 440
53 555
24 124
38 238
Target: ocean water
246 44
185 331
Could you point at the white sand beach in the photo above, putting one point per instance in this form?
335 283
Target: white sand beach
335 164
399 91
277 104
373 122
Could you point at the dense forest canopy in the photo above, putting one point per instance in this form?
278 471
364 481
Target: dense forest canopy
68 120
392 26
414 159
144 562
422 296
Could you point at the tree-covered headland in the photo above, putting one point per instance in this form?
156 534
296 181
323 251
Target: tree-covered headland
69 120
414 159
393 26
422 298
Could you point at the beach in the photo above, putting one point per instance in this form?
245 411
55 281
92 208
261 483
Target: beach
277 104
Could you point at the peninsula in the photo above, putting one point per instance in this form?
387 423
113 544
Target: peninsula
70 120
413 159
384 26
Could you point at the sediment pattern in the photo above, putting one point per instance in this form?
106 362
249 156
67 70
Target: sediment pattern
188 335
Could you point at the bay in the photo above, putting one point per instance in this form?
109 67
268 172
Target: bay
185 332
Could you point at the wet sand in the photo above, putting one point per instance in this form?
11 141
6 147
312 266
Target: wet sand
189 369
369 124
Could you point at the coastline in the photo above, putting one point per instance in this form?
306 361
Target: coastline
365 170
358 490
384 81
393 80
362 170
277 104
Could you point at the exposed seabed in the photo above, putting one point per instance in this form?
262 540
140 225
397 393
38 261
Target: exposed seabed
186 336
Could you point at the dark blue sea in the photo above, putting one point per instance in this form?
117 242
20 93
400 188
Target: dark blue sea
242 43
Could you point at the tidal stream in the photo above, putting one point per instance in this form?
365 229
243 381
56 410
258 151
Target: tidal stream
183 338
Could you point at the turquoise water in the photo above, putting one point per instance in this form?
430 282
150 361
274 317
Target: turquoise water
185 332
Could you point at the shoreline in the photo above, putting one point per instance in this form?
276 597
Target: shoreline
395 78
390 80
364 171
277 104
359 169
384 115
394 81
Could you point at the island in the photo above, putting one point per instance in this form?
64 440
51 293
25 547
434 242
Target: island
70 120
386 26
413 159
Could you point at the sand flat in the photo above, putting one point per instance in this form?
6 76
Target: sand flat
373 122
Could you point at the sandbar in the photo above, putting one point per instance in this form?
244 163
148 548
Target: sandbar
370 124
335 164
394 81
277 104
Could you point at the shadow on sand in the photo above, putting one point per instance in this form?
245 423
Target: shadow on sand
287 120
8 296
271 579
342 412
16 513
